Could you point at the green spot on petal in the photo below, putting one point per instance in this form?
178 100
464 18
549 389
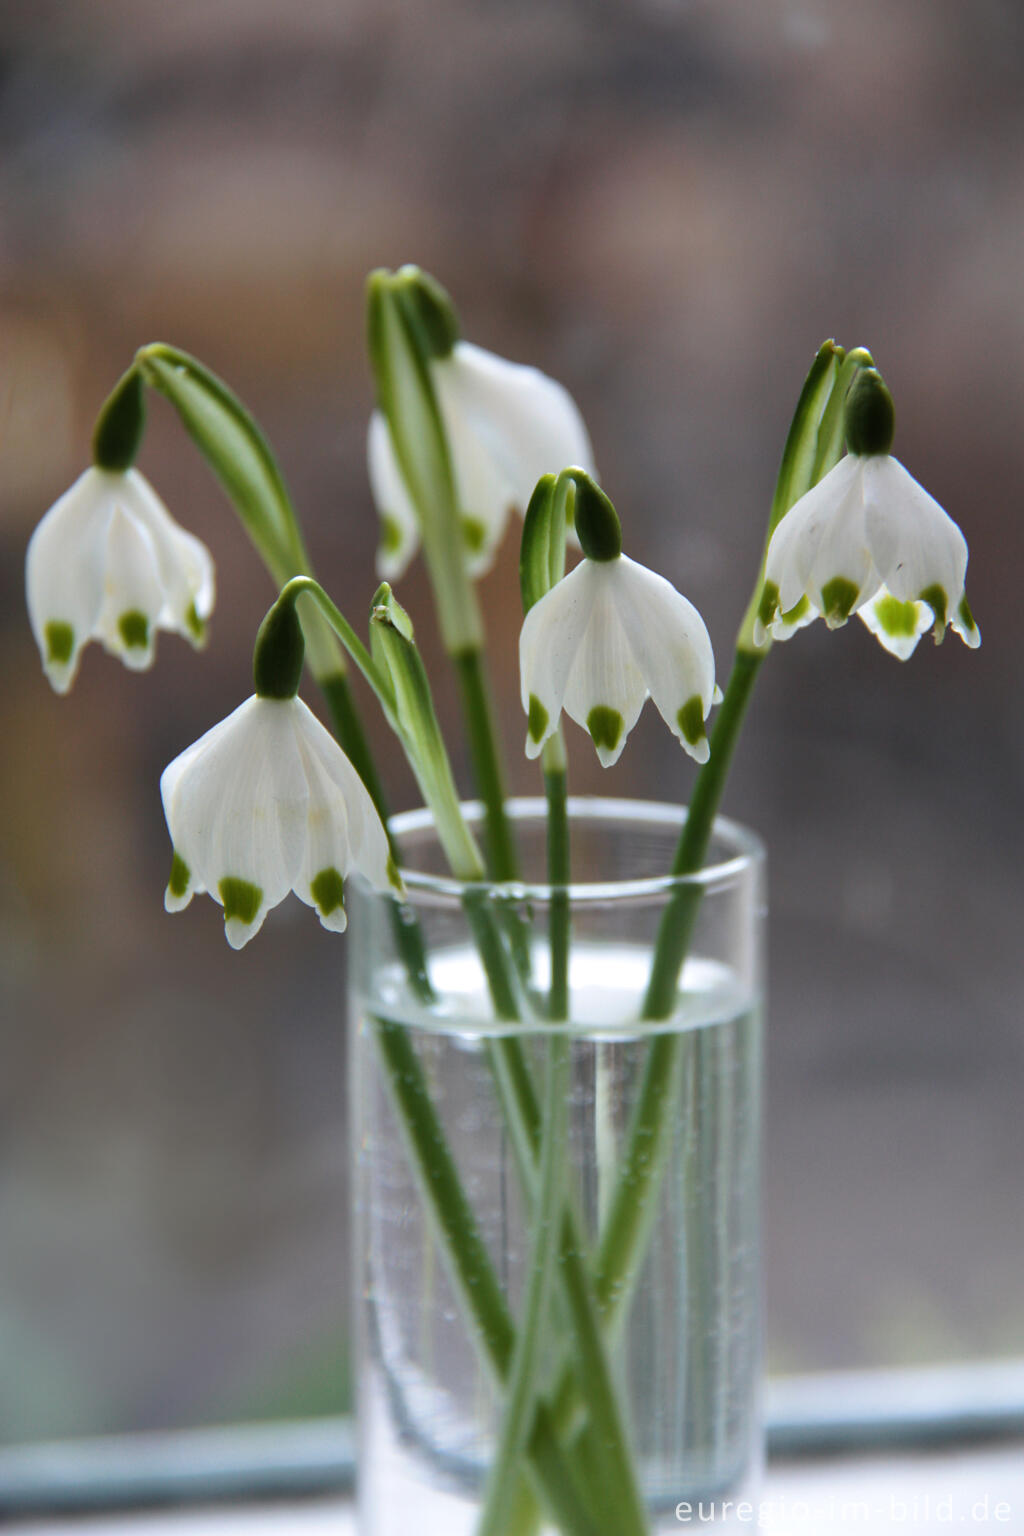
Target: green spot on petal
897 619
837 599
796 613
966 616
241 899
179 877
605 726
194 624
60 642
395 876
938 602
474 534
390 534
327 891
768 606
537 719
691 720
134 629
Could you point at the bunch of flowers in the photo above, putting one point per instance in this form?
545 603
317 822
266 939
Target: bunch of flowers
270 801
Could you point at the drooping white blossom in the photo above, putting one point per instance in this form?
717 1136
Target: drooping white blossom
868 539
604 639
266 803
506 424
108 562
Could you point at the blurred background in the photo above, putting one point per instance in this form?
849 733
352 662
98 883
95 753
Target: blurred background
668 206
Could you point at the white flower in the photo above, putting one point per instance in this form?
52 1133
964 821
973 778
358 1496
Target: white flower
507 425
867 539
109 563
599 642
266 802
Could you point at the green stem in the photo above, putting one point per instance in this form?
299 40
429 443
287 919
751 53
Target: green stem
624 1234
478 713
521 1390
677 919
501 1505
652 1124
348 728
556 793
471 1268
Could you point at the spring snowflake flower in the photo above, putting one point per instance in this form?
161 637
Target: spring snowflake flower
608 636
867 539
506 424
108 562
266 803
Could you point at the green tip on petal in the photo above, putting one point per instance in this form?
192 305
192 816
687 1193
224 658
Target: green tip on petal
133 627
394 875
605 726
60 642
690 720
769 604
898 620
241 899
537 719
966 616
327 890
838 597
868 416
195 625
938 602
474 534
795 614
179 878
390 534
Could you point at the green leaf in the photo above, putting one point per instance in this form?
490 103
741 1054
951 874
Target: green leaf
235 449
797 467
542 550
394 648
242 460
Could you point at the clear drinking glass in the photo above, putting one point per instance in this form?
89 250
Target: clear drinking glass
659 1200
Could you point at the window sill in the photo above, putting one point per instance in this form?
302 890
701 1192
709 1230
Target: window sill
926 1492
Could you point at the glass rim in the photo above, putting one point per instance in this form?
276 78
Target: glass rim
745 851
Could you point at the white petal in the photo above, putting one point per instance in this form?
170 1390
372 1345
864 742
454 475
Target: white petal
344 831
814 521
530 421
400 534
914 543
486 495
64 571
670 645
548 642
840 553
604 674
132 593
897 625
185 564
